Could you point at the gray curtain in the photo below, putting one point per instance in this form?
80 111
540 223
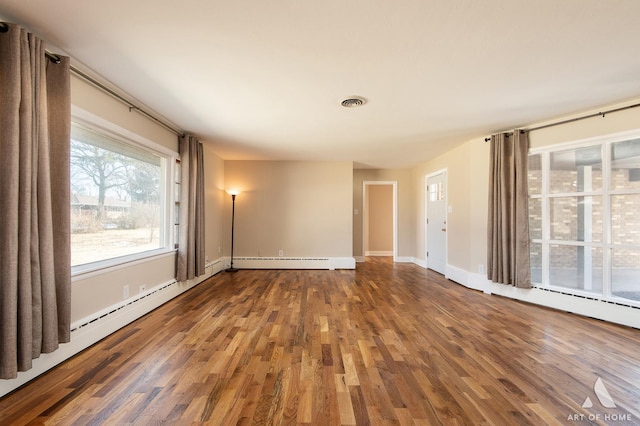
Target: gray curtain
191 251
35 259
508 227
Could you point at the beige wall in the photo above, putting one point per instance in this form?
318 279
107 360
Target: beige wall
478 201
300 207
379 208
95 101
406 208
457 164
214 204
584 129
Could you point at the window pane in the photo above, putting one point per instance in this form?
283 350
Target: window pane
625 165
625 219
625 274
576 218
117 197
535 174
177 192
576 170
177 172
575 267
536 262
535 218
436 192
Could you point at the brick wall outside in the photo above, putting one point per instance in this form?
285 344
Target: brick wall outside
625 213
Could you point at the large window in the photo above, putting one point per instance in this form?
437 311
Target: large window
118 198
584 218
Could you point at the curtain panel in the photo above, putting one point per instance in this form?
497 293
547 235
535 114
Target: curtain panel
35 257
191 250
508 224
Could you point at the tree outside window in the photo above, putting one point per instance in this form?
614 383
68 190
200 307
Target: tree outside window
117 197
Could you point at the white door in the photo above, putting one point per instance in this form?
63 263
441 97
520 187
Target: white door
436 195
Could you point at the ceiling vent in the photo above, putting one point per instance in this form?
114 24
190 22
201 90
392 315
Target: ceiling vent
352 102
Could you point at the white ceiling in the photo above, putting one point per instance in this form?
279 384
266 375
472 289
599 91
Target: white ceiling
264 79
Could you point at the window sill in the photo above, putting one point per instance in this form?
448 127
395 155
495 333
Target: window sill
81 272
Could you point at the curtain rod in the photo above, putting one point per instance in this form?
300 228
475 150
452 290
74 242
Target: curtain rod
56 60
571 120
122 99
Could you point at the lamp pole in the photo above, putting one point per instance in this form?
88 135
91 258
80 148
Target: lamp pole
233 216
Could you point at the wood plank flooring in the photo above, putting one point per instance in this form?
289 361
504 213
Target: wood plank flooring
385 344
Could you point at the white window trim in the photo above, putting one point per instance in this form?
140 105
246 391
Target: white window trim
605 142
86 270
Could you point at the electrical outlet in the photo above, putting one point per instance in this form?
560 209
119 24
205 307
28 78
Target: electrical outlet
219 249
125 292
280 253
142 289
481 268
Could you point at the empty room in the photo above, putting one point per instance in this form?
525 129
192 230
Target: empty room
320 213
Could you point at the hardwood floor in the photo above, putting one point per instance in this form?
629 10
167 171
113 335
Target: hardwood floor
384 344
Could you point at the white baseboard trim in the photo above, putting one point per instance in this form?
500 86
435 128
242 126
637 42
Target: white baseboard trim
293 262
468 279
342 263
479 282
420 262
359 258
91 329
593 308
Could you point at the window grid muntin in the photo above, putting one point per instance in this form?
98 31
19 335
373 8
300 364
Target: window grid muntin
606 193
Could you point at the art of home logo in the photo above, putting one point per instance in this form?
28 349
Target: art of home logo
603 396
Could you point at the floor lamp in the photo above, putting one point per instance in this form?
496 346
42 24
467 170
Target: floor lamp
233 217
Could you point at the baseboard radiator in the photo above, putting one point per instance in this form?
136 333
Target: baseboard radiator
294 263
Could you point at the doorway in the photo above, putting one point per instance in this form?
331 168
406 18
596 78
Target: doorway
436 221
379 223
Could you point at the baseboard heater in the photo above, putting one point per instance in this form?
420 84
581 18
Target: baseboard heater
596 299
114 309
294 263
210 269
